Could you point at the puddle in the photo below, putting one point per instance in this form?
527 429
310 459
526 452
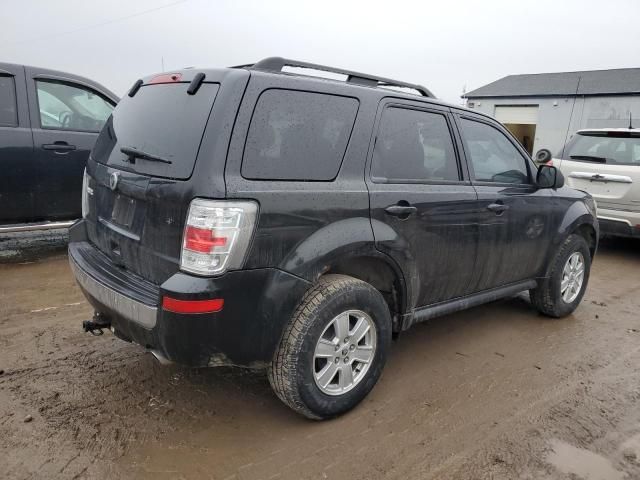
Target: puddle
582 463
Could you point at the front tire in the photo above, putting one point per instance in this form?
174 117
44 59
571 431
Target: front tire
559 294
334 348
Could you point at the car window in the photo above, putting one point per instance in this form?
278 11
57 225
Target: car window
615 148
71 107
163 120
8 107
493 157
414 145
50 109
298 135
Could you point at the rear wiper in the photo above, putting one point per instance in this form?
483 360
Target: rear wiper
589 158
134 153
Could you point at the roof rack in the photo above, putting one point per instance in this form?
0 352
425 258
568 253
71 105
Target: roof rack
276 64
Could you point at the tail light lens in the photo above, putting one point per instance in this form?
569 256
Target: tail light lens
85 194
217 235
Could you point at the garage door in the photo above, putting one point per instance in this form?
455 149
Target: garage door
523 114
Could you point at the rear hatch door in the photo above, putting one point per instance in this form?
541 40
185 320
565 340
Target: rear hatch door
141 173
607 165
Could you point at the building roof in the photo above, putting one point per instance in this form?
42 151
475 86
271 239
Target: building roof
590 82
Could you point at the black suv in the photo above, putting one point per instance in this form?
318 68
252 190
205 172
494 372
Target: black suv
266 218
49 122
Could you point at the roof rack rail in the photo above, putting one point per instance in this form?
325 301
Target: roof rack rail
276 64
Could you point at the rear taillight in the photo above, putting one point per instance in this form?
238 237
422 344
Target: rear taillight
85 194
217 235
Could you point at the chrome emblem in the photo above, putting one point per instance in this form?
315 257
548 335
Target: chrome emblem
113 180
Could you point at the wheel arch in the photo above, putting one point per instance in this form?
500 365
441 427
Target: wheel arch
589 233
579 220
348 247
382 274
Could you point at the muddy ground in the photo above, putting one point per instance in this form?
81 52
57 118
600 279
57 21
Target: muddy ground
494 392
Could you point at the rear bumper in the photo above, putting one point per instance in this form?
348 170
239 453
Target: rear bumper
257 305
618 228
619 223
120 304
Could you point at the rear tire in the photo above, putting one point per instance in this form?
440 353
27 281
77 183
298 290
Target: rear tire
561 292
319 370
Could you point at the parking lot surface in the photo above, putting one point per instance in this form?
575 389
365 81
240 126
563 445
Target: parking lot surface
494 392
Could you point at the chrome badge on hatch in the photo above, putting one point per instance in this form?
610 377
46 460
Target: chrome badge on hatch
113 180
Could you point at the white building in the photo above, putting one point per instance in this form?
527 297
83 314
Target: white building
544 110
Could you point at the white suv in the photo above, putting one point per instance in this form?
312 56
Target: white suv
606 163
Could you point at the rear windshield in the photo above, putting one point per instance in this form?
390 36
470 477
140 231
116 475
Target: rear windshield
162 121
614 148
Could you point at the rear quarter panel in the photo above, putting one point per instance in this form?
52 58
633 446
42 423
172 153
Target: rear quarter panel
303 226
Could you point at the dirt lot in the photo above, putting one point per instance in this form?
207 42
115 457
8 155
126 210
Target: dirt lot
495 392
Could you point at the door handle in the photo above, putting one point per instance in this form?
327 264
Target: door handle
59 147
498 208
401 210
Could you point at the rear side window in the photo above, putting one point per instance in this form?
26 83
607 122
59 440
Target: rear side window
493 157
160 120
414 146
8 107
298 136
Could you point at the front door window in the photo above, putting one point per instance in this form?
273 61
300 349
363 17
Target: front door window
63 106
493 157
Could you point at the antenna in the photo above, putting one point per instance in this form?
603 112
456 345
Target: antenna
571 115
630 125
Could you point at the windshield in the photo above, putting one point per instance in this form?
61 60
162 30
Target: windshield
616 148
162 121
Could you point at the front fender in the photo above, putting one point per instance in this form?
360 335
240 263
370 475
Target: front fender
574 216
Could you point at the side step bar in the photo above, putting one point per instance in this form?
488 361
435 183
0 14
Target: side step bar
32 227
458 304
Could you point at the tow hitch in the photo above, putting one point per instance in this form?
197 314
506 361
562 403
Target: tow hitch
96 324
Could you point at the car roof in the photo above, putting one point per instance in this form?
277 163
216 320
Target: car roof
364 84
354 80
46 72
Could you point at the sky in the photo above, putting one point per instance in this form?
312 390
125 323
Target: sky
446 46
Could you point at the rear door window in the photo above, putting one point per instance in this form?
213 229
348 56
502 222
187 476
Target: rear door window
8 107
161 120
414 146
298 136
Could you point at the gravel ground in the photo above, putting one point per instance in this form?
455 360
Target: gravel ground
494 392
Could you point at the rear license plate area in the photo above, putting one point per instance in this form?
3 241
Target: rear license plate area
123 211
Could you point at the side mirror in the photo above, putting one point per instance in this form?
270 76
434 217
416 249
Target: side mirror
549 177
543 156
